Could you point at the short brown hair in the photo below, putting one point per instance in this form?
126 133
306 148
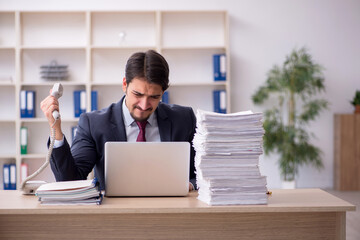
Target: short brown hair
149 65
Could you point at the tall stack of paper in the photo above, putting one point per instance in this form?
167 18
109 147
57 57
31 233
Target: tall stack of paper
227 148
80 192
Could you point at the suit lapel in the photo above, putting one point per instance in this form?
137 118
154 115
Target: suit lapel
117 122
164 124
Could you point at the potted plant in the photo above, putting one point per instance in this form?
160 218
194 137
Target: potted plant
356 102
295 84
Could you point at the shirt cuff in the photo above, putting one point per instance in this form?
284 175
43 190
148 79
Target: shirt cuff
59 143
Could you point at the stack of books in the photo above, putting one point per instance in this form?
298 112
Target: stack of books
80 192
227 148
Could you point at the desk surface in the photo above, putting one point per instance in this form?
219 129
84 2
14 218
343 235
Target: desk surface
296 200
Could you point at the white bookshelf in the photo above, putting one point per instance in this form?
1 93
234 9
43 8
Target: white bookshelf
123 29
96 45
7 30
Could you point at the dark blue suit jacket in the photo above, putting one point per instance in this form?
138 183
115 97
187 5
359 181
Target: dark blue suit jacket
176 123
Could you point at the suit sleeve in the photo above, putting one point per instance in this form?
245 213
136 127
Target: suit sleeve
75 163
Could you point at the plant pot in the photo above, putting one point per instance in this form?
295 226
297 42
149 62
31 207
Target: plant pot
288 184
357 109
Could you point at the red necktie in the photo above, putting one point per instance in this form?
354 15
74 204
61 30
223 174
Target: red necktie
141 136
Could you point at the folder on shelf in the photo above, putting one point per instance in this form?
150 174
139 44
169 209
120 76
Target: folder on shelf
23 111
94 100
6 176
12 176
23 140
30 104
219 101
23 172
165 97
219 62
79 102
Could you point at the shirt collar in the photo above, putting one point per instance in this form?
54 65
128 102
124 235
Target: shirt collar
129 120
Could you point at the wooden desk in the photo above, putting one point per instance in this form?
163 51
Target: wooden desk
290 214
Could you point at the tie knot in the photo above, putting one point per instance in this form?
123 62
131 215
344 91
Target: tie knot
141 125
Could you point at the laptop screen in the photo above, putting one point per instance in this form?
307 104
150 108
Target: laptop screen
147 168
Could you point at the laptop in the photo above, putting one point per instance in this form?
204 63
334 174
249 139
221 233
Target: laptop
147 168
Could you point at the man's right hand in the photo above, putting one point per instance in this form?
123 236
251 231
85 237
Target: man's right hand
48 105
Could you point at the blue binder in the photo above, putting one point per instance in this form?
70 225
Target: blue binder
30 104
165 97
12 176
94 100
27 104
6 176
219 62
219 97
79 103
23 112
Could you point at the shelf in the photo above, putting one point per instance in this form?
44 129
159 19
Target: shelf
69 120
180 47
183 72
219 83
7 156
107 84
136 48
7 121
8 145
33 120
60 29
44 120
34 162
194 96
7 107
7 65
193 29
32 59
178 84
95 45
51 83
6 84
108 65
49 47
33 156
123 29
7 29
7 47
108 94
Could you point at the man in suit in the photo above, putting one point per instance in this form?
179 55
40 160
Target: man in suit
146 79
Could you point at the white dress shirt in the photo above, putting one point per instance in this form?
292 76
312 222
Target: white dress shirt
152 133
132 130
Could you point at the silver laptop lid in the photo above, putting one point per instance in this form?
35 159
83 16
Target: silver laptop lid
147 168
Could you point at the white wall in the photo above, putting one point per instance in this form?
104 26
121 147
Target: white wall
262 33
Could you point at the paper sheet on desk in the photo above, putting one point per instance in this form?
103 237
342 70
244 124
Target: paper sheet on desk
67 185
70 193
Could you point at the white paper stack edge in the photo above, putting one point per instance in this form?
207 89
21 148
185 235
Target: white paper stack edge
227 148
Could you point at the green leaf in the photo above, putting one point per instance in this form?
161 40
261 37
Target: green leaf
299 78
312 109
